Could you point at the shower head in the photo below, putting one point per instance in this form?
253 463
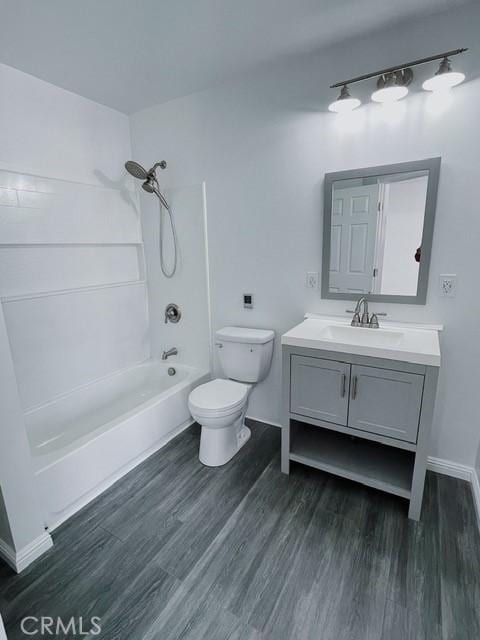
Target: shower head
150 184
136 170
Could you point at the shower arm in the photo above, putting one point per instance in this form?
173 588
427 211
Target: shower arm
162 165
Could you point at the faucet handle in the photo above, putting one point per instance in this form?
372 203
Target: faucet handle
172 313
373 324
356 322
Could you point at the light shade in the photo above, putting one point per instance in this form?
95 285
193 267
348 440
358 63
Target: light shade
344 102
445 78
391 87
389 94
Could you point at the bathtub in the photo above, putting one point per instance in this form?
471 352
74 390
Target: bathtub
86 440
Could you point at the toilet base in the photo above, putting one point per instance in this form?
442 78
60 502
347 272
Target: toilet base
218 446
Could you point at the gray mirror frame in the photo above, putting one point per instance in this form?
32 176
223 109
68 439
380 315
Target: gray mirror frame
432 165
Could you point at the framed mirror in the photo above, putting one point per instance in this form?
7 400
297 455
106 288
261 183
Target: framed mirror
377 232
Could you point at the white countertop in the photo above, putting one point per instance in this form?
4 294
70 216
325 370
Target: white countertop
407 342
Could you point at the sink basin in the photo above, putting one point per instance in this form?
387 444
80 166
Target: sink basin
361 336
404 342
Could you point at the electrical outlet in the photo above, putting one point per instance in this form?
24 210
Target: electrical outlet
448 285
312 279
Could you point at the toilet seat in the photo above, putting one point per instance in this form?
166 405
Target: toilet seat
218 397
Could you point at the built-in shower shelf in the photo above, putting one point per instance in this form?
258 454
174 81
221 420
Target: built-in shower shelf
61 292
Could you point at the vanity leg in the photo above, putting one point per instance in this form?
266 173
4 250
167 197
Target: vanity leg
285 466
418 483
426 419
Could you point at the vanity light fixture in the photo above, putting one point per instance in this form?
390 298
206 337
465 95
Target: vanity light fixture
344 102
392 83
445 78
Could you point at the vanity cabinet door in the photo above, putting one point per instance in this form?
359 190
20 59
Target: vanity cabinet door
320 389
385 402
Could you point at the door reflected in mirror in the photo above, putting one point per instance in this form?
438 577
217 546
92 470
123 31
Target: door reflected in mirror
379 232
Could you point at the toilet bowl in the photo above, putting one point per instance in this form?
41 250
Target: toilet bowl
220 405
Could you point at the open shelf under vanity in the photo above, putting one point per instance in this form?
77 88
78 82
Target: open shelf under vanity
374 464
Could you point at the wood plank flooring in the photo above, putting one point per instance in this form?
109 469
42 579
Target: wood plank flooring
176 550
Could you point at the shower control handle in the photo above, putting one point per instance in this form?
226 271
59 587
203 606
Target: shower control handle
172 313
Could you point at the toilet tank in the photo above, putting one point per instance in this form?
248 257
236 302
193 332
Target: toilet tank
245 354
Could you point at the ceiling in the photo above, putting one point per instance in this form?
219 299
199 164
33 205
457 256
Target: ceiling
131 54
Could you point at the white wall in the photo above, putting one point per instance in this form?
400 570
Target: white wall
404 216
69 228
263 144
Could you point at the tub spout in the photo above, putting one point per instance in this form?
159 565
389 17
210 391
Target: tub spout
171 352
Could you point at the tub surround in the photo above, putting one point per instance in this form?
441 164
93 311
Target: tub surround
73 288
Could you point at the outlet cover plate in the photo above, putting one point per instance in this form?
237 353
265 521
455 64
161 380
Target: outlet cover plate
448 285
312 279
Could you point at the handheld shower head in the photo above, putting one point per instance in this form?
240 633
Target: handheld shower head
149 184
136 170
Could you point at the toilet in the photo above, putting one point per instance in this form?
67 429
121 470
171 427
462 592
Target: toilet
220 405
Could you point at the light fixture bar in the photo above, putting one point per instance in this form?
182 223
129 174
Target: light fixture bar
399 67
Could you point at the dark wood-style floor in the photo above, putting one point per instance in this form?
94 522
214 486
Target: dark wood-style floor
176 550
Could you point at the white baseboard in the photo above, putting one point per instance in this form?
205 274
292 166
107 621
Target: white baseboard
462 472
448 468
20 560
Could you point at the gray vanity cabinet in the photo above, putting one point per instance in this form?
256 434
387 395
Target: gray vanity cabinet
363 418
386 402
320 389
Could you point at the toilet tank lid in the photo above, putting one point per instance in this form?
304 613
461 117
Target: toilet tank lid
245 334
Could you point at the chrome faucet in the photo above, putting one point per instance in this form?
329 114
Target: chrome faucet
171 352
363 319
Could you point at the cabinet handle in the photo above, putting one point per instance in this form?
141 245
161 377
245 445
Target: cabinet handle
344 385
354 387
